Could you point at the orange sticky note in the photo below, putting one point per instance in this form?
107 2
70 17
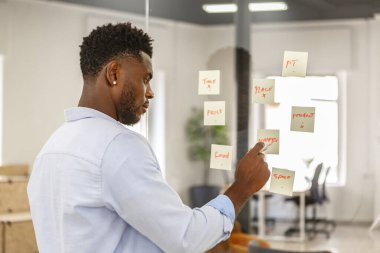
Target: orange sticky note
294 64
209 82
271 139
303 119
282 181
263 91
214 113
221 157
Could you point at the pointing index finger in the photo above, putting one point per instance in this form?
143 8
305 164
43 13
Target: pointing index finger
257 148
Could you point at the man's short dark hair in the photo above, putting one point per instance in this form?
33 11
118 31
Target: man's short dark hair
111 41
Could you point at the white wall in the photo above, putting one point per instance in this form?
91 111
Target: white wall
374 109
42 77
39 54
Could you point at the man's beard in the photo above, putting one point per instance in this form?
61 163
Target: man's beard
126 110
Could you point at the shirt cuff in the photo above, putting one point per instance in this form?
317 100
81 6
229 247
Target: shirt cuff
224 205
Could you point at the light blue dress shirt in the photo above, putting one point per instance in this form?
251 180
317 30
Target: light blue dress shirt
96 186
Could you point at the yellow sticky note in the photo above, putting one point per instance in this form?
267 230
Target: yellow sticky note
294 64
263 91
271 139
303 119
209 82
214 113
221 157
282 181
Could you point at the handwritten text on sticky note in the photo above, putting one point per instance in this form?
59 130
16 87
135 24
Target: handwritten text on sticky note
282 181
221 157
303 119
214 113
294 64
209 82
263 91
271 139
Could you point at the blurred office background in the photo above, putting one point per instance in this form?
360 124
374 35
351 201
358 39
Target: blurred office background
40 77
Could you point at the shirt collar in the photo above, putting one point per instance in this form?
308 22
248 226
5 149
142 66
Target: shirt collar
77 113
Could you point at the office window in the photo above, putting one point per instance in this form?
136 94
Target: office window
327 143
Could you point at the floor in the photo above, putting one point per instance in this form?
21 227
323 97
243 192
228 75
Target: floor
346 238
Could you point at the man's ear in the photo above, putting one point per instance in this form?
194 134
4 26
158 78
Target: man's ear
112 70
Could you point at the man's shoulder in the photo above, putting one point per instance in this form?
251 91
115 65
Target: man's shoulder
131 141
86 139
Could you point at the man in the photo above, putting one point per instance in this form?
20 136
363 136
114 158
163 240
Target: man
97 187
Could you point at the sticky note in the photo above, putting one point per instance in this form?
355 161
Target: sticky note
214 113
294 64
271 139
263 91
282 181
209 82
303 119
221 157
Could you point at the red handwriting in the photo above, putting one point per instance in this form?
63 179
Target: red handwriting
208 82
222 155
259 89
291 62
303 115
214 112
268 139
279 176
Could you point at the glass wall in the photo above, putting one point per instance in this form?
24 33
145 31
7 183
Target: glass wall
207 67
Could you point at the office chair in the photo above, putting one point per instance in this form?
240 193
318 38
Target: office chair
313 198
200 195
324 194
325 198
255 248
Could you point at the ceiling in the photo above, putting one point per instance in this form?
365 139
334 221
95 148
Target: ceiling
191 10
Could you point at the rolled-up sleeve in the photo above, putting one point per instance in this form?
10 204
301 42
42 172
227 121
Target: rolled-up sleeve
133 187
223 204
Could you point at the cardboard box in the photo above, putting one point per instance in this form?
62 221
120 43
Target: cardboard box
13 194
14 170
17 234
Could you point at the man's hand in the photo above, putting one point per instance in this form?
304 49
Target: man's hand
251 175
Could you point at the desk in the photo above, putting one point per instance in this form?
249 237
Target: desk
262 213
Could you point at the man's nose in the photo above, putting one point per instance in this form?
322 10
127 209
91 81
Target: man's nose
149 93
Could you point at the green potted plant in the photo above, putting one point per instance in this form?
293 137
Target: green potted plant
199 139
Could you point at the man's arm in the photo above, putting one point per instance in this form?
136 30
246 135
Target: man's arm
251 175
135 189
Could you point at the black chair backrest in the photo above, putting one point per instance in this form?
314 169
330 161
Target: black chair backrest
200 195
314 190
324 194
